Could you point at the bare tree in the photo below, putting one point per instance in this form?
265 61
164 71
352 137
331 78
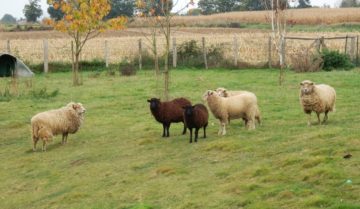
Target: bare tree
160 11
278 31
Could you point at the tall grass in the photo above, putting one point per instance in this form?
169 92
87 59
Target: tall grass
310 16
118 159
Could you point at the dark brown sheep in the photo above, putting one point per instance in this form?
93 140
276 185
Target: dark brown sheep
196 116
168 112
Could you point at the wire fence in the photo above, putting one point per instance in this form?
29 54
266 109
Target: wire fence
255 49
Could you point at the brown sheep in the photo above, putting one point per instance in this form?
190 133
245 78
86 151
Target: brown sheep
196 116
168 112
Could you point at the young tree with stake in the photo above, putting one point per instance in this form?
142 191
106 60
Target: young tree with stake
82 21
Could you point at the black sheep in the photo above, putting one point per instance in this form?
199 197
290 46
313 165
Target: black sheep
168 112
196 116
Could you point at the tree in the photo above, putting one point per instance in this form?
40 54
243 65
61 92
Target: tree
304 4
121 8
32 11
350 3
160 13
218 6
157 7
194 12
253 5
55 14
278 25
83 20
8 19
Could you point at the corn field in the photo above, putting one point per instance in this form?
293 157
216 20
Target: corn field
250 47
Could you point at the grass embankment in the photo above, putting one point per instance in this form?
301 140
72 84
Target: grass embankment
119 160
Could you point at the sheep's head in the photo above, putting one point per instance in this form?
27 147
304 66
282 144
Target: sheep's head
154 103
188 110
78 107
221 92
307 87
207 94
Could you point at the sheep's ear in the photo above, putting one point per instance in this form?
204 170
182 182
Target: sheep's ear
301 84
312 83
74 106
149 100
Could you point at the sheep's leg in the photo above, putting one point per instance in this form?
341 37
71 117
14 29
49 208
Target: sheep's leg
167 128
223 128
184 131
220 128
318 117
309 119
35 140
196 134
325 117
251 124
44 145
258 119
190 129
164 128
245 121
64 138
205 130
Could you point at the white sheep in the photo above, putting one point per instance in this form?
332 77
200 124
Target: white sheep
226 93
318 98
63 121
226 108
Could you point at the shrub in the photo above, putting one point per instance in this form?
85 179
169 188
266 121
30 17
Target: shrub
235 25
215 56
127 68
305 60
189 54
336 60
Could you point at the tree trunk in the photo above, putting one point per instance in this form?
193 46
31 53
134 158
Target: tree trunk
76 81
157 70
167 50
75 59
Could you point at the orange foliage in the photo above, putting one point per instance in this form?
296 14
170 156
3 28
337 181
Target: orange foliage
84 16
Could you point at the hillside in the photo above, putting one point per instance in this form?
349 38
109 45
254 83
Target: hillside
118 159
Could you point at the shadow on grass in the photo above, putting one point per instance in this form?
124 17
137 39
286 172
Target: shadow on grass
48 147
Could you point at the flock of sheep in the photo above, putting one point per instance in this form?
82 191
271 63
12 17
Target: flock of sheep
225 105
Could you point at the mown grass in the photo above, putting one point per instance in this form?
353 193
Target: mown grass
118 159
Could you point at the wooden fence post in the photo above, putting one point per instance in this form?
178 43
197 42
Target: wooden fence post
8 48
357 50
346 43
318 44
204 51
236 51
140 54
46 56
174 53
106 54
283 51
270 52
352 49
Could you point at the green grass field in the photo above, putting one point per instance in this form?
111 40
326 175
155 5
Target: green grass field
118 159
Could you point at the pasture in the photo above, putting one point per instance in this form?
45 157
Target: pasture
118 159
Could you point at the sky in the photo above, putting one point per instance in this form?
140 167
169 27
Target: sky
15 7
